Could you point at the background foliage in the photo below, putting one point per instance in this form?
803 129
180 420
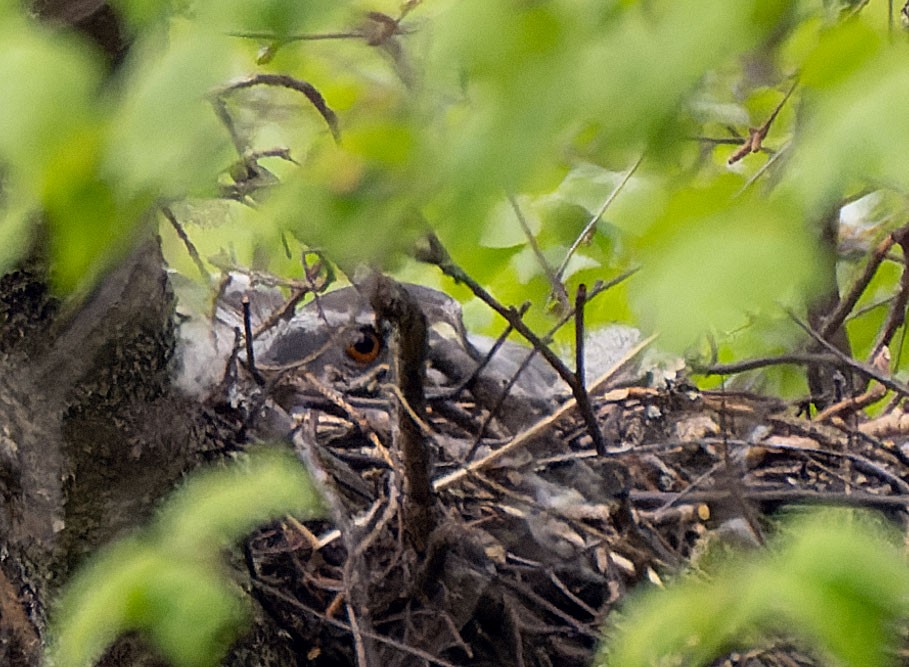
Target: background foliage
168 580
835 579
445 114
458 106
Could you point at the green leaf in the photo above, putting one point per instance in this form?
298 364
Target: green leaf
849 138
56 105
837 584
164 137
167 580
709 260
220 506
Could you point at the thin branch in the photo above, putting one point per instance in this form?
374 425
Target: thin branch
719 141
797 358
248 338
184 237
756 135
497 406
864 369
763 169
538 428
775 496
852 404
270 36
598 289
896 317
283 81
580 300
847 303
487 358
555 284
436 254
587 232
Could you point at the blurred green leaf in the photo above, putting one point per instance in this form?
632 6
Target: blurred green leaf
164 137
856 119
45 117
710 259
837 583
220 506
167 581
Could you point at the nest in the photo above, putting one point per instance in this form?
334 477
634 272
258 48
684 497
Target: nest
536 538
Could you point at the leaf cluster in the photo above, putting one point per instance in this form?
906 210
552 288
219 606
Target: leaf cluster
168 580
835 581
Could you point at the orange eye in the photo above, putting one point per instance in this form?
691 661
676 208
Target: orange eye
365 348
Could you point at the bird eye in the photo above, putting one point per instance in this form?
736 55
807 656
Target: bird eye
365 347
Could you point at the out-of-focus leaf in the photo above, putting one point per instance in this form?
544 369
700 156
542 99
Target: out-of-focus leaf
166 581
165 137
278 18
837 584
857 121
40 119
15 226
220 506
89 228
187 607
141 14
841 52
709 260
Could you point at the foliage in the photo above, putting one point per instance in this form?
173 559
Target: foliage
168 580
444 109
835 581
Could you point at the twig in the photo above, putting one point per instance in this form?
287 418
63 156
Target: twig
296 38
555 284
854 499
438 255
718 141
587 232
896 316
248 339
864 369
580 300
281 81
566 591
524 436
799 358
861 463
598 288
484 362
388 641
852 403
313 37
847 303
581 628
282 312
190 248
756 135
763 168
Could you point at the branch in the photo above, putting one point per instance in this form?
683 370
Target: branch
896 317
587 232
435 253
756 135
395 305
555 283
281 81
847 303
799 358
864 369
